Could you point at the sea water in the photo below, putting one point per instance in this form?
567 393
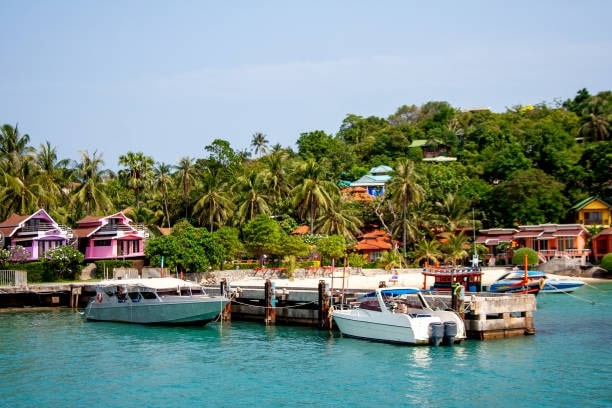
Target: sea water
53 358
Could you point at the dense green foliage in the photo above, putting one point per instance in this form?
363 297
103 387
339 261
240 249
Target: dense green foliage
527 165
518 258
606 262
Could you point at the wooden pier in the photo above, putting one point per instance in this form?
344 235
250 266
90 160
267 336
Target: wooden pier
486 315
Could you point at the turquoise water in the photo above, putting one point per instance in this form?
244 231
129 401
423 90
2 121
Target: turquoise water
53 358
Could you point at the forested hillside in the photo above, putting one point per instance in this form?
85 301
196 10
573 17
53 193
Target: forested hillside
528 165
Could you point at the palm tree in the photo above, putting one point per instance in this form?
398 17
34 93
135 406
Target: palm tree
276 174
403 190
250 190
51 177
138 174
12 143
186 179
18 169
454 212
455 247
595 127
315 192
259 143
428 250
215 206
340 218
89 192
163 180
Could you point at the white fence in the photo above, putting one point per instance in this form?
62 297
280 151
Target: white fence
13 278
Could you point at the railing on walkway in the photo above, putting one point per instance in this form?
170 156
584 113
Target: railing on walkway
13 278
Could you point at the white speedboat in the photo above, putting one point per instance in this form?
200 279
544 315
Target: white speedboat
399 315
153 301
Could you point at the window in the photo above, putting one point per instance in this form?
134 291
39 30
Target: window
44 246
127 247
375 256
592 217
102 242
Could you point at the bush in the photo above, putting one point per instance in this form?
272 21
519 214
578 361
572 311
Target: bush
606 262
63 262
519 255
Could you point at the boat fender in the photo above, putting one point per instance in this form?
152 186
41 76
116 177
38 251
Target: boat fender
99 297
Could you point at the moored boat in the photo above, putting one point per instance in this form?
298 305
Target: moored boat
168 301
399 315
550 284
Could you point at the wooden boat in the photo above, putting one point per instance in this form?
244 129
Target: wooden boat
168 301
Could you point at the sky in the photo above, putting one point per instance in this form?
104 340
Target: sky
167 78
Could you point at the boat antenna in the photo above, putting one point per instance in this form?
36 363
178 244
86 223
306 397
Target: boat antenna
475 256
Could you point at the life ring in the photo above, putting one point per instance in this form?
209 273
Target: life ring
99 297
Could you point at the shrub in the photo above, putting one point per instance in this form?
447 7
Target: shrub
519 255
63 262
606 262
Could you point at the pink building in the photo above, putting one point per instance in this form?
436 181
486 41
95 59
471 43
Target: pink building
37 233
110 237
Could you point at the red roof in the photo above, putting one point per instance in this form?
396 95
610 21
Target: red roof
9 226
302 229
528 234
568 233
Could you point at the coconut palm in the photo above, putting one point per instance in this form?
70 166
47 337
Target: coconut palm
340 218
215 206
454 212
428 250
259 143
277 174
51 177
163 181
138 174
404 190
315 193
185 176
250 189
455 247
89 194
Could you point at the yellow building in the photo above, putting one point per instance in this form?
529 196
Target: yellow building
593 212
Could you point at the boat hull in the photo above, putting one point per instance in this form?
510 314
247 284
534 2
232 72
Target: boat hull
561 286
393 328
192 310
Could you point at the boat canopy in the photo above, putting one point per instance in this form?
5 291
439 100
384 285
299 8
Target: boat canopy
392 292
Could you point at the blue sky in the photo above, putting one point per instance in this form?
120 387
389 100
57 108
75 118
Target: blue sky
166 78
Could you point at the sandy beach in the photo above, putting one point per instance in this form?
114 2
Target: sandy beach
364 279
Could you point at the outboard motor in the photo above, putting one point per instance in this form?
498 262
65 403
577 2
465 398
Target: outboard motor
450 331
436 333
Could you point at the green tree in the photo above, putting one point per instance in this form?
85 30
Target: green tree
333 247
215 206
163 181
185 176
138 173
428 250
527 197
518 258
454 247
64 262
89 194
315 193
404 190
259 143
262 236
